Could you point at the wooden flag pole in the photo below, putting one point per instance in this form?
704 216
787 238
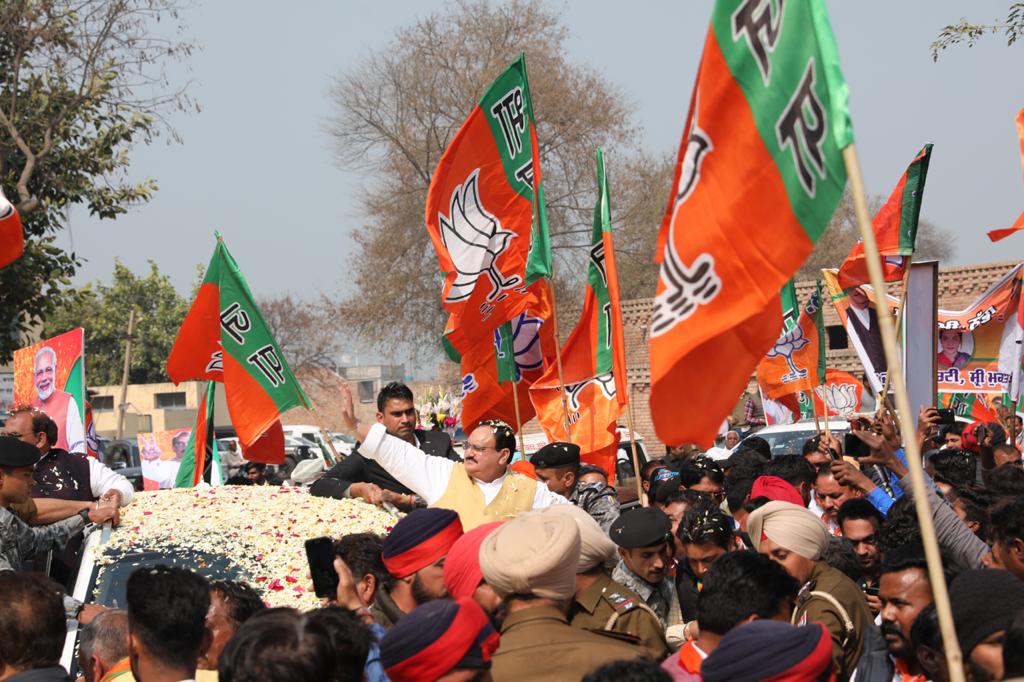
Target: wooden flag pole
519 419
814 409
326 436
899 333
558 357
954 657
632 443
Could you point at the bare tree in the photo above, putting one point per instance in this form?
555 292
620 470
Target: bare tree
308 333
398 109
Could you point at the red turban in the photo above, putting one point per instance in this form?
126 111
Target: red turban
776 490
462 573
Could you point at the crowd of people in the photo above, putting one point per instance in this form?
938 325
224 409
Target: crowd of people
799 566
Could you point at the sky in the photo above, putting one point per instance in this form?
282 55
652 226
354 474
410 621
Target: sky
257 164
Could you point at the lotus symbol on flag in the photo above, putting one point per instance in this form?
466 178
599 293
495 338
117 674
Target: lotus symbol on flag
474 240
840 398
789 343
605 382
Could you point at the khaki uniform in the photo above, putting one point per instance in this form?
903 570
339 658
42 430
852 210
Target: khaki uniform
608 605
832 599
537 643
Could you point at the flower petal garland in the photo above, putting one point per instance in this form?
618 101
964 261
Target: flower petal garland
261 529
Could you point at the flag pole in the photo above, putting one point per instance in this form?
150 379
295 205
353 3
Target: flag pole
519 419
943 609
632 442
325 436
899 332
558 357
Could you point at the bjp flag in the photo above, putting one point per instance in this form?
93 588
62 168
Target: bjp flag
796 362
12 237
758 177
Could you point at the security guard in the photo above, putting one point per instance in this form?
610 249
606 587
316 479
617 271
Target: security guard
601 604
18 541
557 465
646 551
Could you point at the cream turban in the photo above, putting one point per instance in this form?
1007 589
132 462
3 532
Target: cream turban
795 528
532 554
596 548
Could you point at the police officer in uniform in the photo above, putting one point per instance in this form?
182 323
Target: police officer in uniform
558 466
601 604
646 551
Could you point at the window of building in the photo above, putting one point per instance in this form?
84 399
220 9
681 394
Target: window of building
837 337
102 403
170 401
366 391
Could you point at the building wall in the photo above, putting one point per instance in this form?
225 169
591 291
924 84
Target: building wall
144 412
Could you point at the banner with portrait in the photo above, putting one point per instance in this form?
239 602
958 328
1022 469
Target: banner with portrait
50 375
161 453
979 347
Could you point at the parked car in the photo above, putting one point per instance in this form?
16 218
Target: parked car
789 439
123 457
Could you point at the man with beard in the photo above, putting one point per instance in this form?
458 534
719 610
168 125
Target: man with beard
646 552
414 555
829 496
860 523
904 590
359 476
557 466
59 405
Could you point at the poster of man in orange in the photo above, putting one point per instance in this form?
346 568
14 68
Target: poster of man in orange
50 376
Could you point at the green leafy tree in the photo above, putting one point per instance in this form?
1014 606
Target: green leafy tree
967 32
81 82
103 311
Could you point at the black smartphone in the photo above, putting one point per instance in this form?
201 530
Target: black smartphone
320 555
873 591
854 446
946 416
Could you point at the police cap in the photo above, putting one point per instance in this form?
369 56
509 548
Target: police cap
641 527
555 455
16 453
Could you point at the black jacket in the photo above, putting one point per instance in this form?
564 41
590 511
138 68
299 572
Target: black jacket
357 469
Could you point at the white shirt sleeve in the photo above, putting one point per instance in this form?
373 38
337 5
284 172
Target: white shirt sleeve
74 429
419 472
103 478
545 498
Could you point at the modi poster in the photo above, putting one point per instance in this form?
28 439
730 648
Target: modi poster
50 375
161 453
979 347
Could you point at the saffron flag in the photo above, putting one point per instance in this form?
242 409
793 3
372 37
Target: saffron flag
758 177
796 361
499 373
12 237
201 443
895 227
485 212
1018 225
841 393
593 358
973 406
225 339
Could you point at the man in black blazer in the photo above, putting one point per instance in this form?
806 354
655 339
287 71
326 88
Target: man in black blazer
356 476
862 320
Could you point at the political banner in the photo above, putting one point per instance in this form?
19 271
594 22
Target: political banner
50 376
161 453
840 395
978 347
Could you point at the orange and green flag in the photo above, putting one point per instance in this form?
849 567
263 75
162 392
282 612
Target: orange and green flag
517 354
758 177
593 358
973 406
225 339
202 443
485 212
796 361
895 227
1018 225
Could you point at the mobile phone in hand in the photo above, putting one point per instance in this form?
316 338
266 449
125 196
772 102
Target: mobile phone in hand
320 555
946 416
854 446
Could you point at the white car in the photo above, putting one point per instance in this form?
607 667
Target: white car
789 439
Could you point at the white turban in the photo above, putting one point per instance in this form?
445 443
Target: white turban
795 528
532 554
596 548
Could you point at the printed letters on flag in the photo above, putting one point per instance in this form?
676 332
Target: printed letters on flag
758 177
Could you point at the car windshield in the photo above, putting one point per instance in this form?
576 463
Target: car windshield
791 442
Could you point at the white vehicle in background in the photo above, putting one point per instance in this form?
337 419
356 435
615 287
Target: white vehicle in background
342 443
789 439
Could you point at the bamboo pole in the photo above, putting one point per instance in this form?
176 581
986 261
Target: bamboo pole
943 609
326 436
519 419
122 407
558 357
632 442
